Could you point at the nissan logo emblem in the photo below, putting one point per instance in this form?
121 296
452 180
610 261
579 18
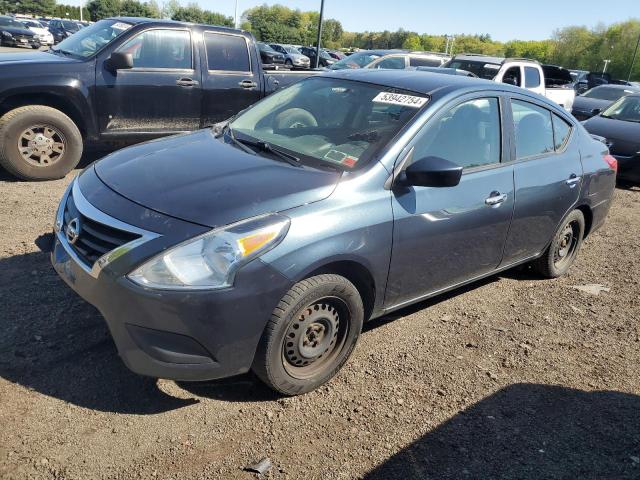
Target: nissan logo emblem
72 231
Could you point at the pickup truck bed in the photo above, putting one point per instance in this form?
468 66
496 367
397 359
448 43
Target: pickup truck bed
121 81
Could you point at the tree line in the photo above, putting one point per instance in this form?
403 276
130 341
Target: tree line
577 47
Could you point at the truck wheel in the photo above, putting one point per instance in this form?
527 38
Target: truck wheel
564 247
310 335
39 143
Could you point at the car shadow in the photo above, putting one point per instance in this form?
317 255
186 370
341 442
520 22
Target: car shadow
528 431
55 343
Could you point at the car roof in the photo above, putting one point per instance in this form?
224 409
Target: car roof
479 58
617 86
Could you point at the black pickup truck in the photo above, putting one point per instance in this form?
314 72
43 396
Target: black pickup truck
121 81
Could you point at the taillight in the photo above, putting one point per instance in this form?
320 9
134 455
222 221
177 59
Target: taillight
612 162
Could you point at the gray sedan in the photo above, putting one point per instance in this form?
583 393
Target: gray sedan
293 57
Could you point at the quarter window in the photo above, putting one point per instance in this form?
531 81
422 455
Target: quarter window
160 49
227 53
531 77
468 134
533 130
561 131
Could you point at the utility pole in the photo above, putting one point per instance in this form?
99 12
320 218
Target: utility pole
317 62
633 61
235 18
606 64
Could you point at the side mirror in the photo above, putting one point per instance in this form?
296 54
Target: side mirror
433 172
119 61
596 111
510 81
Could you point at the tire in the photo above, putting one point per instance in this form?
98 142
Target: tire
310 335
288 63
563 250
42 121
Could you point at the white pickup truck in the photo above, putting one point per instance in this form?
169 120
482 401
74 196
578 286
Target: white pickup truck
547 80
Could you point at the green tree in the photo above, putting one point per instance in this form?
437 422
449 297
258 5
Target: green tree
99 9
32 7
412 42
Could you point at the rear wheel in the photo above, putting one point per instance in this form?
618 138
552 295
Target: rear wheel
564 248
310 335
39 143
288 63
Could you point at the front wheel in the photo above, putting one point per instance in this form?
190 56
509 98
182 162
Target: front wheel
310 335
564 247
39 143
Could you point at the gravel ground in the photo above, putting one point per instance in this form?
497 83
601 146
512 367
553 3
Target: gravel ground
513 377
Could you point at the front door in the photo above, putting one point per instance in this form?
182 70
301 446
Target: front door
444 236
162 92
548 177
230 83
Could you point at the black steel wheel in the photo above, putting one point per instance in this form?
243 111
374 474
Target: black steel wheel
310 335
564 247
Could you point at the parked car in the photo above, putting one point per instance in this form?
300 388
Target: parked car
61 29
122 81
524 73
619 127
265 243
445 71
45 22
42 33
361 58
292 56
401 61
15 34
269 56
335 54
593 101
325 59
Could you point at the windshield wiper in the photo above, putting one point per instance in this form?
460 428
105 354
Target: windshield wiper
267 147
64 52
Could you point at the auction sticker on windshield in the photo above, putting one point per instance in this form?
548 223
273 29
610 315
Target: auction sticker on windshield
400 99
121 26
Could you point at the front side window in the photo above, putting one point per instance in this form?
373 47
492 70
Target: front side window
329 121
533 129
531 77
160 49
468 134
227 53
395 63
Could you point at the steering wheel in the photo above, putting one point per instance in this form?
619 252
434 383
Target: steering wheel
295 118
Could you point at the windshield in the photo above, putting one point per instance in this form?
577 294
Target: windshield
70 26
10 22
265 48
626 109
290 49
483 70
329 121
91 39
357 60
32 23
606 93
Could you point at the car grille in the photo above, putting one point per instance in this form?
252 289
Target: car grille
94 239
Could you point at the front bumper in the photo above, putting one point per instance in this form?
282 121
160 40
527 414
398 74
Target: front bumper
181 335
17 42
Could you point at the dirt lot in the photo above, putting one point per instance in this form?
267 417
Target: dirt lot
514 377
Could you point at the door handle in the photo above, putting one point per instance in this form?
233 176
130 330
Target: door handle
496 198
186 82
247 84
573 180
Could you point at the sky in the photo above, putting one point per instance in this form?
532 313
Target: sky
520 19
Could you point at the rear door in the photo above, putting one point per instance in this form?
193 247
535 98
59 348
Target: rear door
231 76
160 94
446 236
547 174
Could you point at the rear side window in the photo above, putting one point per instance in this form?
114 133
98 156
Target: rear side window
531 77
468 134
533 129
160 49
227 53
561 131
424 62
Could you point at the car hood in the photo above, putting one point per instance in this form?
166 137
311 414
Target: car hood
623 137
298 56
33 58
200 179
40 31
586 104
17 31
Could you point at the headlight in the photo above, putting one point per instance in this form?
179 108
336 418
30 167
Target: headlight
211 260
